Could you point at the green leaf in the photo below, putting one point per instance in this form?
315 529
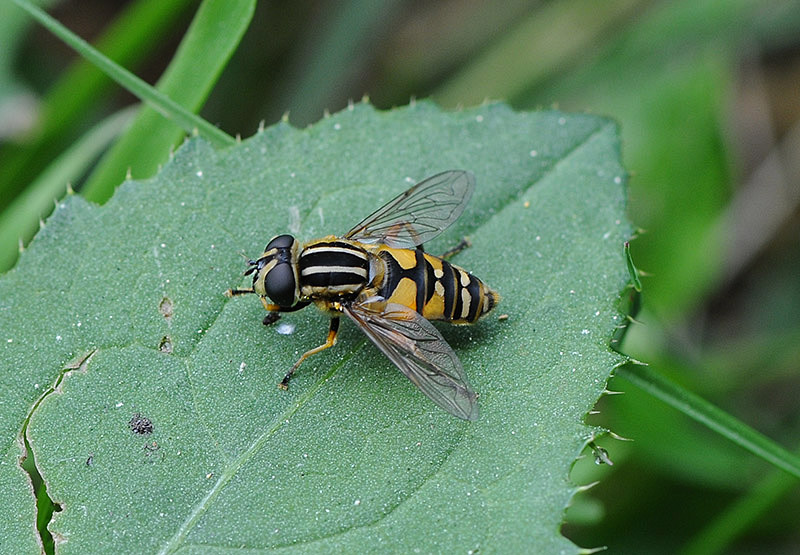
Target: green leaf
184 118
744 512
21 219
342 41
69 105
129 296
208 44
546 41
715 418
17 105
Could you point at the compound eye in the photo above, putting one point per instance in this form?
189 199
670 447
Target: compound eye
280 242
280 285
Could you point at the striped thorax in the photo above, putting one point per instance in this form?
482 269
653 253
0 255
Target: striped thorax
331 268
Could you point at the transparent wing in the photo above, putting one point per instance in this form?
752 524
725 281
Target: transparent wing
420 352
419 214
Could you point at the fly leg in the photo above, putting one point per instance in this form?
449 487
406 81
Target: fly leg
274 313
329 342
463 244
457 249
273 309
237 292
271 318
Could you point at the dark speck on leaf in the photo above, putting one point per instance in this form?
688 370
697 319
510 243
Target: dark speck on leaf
140 424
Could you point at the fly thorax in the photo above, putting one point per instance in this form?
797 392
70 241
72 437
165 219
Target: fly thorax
332 268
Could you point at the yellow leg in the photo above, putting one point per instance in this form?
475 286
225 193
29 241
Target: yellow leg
329 342
274 312
269 307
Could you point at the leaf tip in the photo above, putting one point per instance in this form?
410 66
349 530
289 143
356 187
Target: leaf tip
632 270
611 392
591 550
618 437
586 487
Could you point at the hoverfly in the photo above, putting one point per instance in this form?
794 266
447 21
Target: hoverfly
378 275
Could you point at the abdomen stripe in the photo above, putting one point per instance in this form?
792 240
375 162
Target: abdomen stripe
474 290
421 279
449 283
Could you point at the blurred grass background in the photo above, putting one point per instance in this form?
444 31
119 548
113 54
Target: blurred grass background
708 96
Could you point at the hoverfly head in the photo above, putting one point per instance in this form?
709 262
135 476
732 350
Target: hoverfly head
275 271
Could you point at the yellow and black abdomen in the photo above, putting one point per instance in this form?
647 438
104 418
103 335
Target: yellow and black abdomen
433 287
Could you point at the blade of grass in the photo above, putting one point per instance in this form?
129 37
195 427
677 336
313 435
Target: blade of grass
168 107
20 219
203 53
711 416
129 40
554 36
722 531
330 58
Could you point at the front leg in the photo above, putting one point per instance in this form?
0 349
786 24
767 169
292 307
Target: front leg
271 318
329 342
237 292
274 310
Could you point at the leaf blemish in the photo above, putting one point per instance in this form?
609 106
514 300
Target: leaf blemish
165 345
140 424
165 308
